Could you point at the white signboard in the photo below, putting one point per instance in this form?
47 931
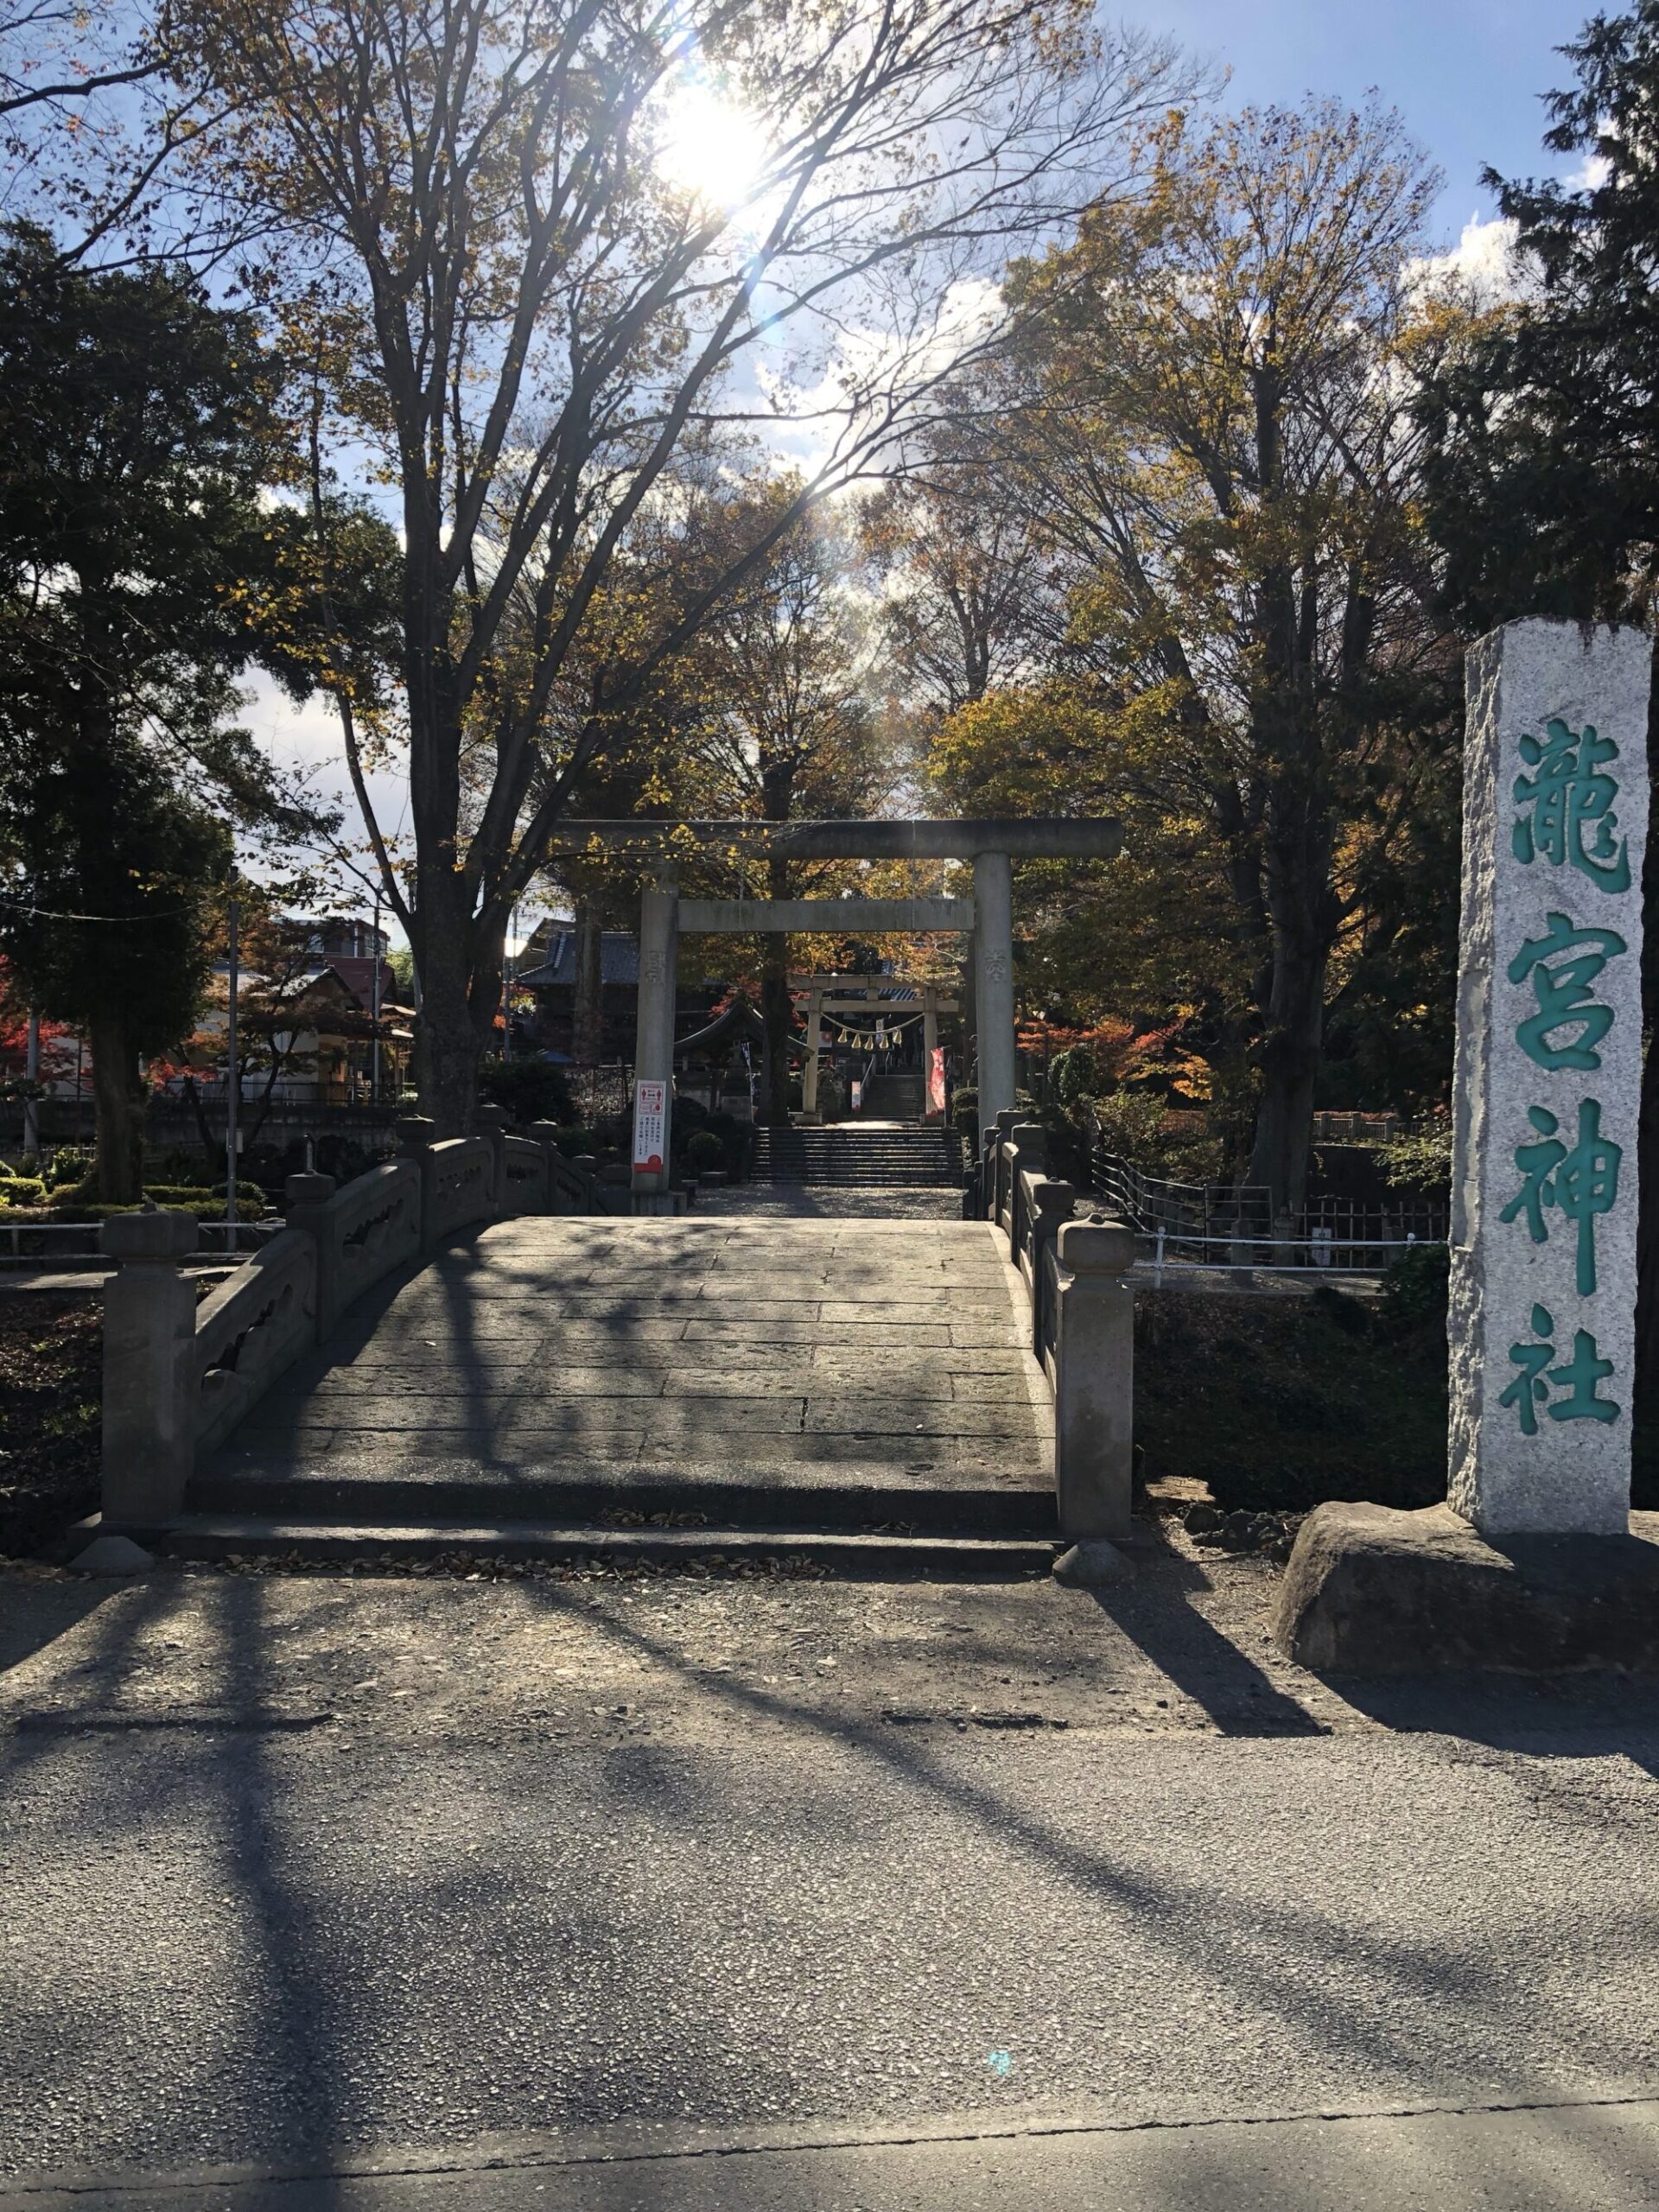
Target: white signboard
650 1108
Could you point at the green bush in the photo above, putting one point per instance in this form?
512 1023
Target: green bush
1132 1126
1074 1075
79 1203
964 1112
734 1138
704 1150
531 1090
574 1138
21 1190
1414 1286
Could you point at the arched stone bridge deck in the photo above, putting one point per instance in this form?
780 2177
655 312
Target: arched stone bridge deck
835 1374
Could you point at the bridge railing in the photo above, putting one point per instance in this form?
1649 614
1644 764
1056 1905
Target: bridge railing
179 1377
1075 1275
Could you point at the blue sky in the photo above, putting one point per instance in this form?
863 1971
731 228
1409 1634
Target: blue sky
1466 74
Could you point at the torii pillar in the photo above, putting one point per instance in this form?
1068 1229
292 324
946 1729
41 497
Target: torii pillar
993 983
653 1048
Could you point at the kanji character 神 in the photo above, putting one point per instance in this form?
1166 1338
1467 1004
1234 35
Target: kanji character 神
1582 1181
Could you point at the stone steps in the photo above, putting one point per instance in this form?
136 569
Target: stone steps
843 1155
959 1508
878 1554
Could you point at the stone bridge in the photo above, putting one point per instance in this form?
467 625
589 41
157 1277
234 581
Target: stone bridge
431 1359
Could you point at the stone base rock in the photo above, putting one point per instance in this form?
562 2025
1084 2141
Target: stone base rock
112 1556
1369 1590
1091 1564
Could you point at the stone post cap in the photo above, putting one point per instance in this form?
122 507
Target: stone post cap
588 1159
1096 1247
1049 1193
544 1132
1007 1117
155 1233
1030 1136
415 1130
488 1118
307 1189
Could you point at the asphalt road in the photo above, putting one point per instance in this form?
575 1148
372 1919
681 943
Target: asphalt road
264 1911
1539 2159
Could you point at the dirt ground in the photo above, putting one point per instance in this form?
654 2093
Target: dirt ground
51 1396
669 1656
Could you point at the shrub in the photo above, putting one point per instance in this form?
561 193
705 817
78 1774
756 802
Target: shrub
704 1150
21 1190
1074 1075
734 1138
1414 1286
1132 1125
531 1090
964 1112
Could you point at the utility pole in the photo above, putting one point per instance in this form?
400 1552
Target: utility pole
231 1090
31 1103
374 1065
506 985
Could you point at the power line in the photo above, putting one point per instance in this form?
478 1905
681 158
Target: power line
50 914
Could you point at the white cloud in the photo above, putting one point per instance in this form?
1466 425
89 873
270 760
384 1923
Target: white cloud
1591 173
1484 261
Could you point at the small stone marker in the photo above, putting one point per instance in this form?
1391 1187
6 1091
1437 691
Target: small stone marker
1543 1311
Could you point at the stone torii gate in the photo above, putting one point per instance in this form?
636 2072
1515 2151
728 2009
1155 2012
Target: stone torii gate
841 996
987 919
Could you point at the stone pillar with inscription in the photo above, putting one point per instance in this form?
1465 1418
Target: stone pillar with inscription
653 1052
1543 1310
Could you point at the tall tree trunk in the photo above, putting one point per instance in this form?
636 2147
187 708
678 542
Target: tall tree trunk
587 1022
460 992
1290 1054
118 1102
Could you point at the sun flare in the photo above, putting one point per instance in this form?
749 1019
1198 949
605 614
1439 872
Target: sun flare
710 146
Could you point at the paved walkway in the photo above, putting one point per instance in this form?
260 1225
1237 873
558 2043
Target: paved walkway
630 1356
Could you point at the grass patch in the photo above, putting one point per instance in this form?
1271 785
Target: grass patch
51 1390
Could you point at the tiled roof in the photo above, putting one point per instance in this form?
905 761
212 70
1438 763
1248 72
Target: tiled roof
618 961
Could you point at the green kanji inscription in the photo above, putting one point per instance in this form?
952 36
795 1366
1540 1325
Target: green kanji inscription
1575 1378
1567 815
1562 988
1582 1181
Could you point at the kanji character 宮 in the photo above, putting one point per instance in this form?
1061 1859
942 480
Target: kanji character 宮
1562 988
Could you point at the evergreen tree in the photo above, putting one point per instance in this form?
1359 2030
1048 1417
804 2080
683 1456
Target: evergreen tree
1543 469
140 566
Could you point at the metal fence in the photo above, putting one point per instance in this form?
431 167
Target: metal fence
1230 1225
